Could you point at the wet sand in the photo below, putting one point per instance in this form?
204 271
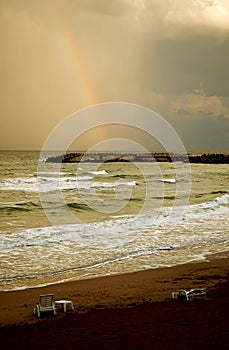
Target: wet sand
129 311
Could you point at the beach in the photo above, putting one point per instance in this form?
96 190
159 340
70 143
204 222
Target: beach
131 311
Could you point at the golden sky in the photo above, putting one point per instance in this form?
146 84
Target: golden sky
58 56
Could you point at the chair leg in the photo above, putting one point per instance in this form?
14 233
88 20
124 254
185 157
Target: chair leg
38 311
54 309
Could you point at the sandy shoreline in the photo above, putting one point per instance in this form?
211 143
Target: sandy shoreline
117 291
131 311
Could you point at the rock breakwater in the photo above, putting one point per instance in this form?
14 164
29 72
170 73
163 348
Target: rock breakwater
101 157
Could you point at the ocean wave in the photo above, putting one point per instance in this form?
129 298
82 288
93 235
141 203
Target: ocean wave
50 173
14 208
118 229
200 195
219 192
165 197
172 180
223 200
115 184
99 263
42 184
47 184
205 210
98 172
79 206
19 206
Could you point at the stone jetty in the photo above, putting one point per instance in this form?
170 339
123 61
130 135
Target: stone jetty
109 157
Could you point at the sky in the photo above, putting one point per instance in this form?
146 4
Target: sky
59 56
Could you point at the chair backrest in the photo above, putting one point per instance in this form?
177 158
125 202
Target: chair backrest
46 300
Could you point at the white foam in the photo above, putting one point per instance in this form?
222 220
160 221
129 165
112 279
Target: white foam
114 184
98 172
49 173
52 183
223 200
119 230
42 183
168 180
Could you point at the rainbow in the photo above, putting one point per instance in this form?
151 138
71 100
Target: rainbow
69 50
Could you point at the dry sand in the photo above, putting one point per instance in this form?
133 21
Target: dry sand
129 311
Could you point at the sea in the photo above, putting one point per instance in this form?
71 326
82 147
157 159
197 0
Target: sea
65 222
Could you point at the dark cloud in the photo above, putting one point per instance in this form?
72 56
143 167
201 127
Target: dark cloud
176 66
203 133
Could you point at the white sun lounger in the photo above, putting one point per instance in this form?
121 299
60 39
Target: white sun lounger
46 304
190 294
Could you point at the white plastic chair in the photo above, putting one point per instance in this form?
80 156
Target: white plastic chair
46 304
